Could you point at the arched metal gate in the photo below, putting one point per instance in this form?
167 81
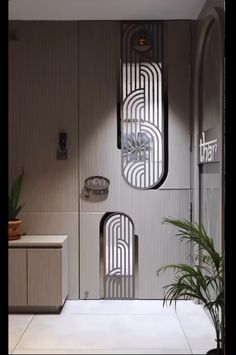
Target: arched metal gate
119 255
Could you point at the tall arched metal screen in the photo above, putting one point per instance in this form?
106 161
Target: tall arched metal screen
119 254
143 128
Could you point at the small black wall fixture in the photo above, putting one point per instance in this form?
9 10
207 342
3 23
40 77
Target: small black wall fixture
62 150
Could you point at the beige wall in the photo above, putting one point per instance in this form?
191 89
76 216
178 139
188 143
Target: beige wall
62 73
43 98
98 155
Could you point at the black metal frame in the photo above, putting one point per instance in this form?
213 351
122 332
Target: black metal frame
124 278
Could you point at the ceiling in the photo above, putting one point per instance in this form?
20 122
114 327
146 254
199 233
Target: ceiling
104 9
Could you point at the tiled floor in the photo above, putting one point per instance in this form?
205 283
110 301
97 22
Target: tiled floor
114 327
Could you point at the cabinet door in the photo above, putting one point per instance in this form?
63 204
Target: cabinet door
17 277
45 277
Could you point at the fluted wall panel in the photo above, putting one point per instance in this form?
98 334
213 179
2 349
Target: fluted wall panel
62 73
157 244
17 277
43 99
45 277
99 155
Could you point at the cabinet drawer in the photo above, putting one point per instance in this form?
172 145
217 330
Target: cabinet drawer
17 277
45 277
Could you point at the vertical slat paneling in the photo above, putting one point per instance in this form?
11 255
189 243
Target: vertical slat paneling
65 270
43 98
99 156
157 243
177 54
98 115
17 277
89 257
45 277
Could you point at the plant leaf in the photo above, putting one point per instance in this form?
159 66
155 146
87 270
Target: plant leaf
203 280
13 208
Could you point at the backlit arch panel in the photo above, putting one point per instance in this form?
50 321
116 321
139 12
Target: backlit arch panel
119 255
143 121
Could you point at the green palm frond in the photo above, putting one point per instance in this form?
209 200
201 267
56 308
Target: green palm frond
13 200
203 280
195 234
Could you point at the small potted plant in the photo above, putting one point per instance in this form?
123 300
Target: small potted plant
203 280
14 209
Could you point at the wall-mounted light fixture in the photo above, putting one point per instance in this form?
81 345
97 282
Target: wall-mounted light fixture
142 42
62 150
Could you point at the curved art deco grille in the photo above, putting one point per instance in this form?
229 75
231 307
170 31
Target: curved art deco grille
119 255
143 153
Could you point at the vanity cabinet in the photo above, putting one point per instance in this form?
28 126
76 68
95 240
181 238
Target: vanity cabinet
38 273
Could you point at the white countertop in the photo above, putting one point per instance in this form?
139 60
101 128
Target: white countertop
38 241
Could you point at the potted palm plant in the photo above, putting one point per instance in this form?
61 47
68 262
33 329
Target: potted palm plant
203 280
14 209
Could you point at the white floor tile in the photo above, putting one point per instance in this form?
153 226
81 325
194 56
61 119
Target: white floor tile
116 307
188 307
199 331
104 332
114 327
104 351
17 325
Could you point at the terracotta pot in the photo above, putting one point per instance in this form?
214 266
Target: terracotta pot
14 229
